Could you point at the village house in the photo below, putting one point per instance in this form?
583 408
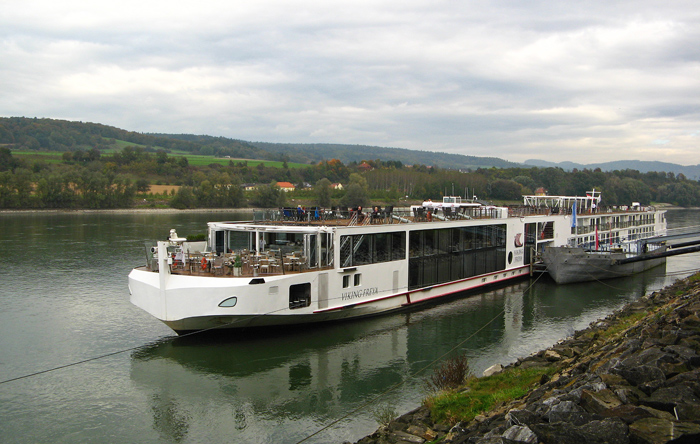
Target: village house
286 186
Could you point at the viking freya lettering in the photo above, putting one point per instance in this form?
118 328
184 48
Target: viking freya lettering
357 294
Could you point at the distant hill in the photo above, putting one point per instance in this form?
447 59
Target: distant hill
690 172
63 135
356 153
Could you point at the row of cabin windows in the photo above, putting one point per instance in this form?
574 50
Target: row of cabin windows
364 249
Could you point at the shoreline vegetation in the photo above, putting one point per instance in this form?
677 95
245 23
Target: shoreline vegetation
632 377
50 164
197 210
132 210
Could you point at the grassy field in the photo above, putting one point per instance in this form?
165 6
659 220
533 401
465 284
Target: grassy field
46 156
192 159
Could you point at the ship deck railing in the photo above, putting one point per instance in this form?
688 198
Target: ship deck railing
267 263
525 210
391 215
356 217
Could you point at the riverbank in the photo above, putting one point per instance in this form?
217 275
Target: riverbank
132 211
136 210
633 377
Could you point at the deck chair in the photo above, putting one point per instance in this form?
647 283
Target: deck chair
217 266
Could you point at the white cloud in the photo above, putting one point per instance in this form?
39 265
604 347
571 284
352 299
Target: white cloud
561 81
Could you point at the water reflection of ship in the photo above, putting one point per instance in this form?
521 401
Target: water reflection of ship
269 379
318 371
556 301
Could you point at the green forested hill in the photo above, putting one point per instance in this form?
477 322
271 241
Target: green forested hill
356 153
24 133
689 171
63 135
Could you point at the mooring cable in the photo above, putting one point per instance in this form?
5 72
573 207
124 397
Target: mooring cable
125 350
414 374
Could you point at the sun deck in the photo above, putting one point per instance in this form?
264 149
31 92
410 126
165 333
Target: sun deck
279 242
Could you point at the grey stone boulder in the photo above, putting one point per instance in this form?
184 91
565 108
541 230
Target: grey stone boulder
641 374
629 395
667 398
609 431
683 354
600 401
522 417
568 412
662 431
628 413
687 412
407 438
690 379
520 434
496 368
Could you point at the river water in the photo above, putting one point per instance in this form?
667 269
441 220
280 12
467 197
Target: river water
79 363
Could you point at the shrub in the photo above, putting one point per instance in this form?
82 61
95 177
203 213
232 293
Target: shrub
451 374
384 414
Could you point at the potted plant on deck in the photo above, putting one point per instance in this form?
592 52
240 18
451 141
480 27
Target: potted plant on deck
237 265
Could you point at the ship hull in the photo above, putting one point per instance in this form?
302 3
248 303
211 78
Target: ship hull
568 265
202 298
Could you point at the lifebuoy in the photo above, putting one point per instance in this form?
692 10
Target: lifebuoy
204 263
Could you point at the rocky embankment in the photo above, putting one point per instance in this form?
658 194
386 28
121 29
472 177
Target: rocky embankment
633 377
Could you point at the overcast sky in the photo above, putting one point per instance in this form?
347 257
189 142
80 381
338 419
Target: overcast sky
583 81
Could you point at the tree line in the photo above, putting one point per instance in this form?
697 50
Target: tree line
122 179
620 187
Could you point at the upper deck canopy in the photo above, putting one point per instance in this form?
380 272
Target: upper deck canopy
591 200
450 202
286 228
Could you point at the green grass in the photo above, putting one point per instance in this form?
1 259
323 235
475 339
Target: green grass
44 156
121 144
621 325
192 159
199 160
484 394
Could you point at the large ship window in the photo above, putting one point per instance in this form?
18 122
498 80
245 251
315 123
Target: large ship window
382 247
365 249
299 295
444 255
398 246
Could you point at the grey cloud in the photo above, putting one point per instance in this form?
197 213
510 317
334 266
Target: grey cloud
566 79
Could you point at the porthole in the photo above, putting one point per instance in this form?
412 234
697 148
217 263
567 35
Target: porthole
230 302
